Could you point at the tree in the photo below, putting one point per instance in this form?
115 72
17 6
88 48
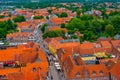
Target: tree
50 34
74 36
2 16
7 27
49 11
86 17
108 55
78 13
76 23
89 35
55 33
97 26
116 23
63 14
109 29
62 25
38 17
47 17
43 27
19 19
2 33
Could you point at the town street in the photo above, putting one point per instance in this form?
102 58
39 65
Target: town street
53 73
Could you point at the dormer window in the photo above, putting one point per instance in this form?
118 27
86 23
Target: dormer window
34 69
77 74
101 72
93 73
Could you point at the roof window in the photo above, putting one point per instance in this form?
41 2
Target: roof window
93 73
77 74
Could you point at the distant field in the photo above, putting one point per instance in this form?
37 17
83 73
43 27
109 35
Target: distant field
54 1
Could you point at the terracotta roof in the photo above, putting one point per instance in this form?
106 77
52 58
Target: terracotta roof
48 40
115 71
27 72
106 44
69 44
87 46
107 12
59 20
6 71
4 19
109 63
54 44
56 20
115 42
23 24
42 12
21 53
19 36
71 69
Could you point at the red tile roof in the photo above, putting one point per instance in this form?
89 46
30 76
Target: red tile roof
115 43
106 44
71 69
48 40
59 20
115 71
25 73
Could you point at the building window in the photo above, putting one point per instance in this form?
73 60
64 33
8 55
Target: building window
77 74
4 77
93 73
101 72
34 69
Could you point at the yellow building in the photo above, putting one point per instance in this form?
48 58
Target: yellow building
100 54
53 46
89 58
52 50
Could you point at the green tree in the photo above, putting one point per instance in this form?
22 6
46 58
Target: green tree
76 23
43 27
89 35
97 26
108 55
62 25
109 29
86 17
78 13
63 14
116 23
19 19
2 16
74 36
56 33
49 11
38 17
50 34
47 17
7 27
2 33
